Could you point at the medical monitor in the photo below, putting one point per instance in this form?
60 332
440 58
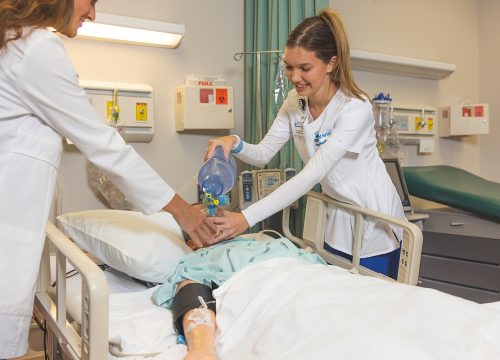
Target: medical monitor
396 174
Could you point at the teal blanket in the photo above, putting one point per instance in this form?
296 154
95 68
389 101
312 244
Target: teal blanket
215 264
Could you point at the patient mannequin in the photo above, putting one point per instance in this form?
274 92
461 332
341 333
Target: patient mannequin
210 267
201 339
188 291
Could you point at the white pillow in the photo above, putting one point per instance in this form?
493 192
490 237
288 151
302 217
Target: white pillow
147 247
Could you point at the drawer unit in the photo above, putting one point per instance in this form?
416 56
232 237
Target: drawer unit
477 295
473 248
451 221
461 255
466 273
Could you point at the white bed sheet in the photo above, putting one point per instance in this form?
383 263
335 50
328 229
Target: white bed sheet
287 309
493 305
138 329
118 282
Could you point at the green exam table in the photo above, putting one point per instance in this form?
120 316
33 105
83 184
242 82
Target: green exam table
454 187
461 247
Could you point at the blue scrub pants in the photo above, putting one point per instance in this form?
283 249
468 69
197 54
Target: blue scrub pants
387 264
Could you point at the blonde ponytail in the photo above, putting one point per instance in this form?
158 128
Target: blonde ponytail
325 35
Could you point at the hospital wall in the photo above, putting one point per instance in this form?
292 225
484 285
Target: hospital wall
211 39
460 32
489 82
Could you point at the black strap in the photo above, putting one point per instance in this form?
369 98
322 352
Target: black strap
187 299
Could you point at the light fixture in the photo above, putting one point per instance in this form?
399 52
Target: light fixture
116 28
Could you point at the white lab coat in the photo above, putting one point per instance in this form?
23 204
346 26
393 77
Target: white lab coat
359 177
40 101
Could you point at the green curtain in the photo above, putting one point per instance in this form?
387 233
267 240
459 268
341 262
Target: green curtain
267 25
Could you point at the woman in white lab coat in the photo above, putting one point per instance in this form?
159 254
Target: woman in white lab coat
41 101
331 122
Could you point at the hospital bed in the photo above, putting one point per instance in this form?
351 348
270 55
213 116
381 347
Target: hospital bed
281 308
461 251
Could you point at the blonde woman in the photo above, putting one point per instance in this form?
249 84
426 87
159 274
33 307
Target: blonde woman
40 101
331 122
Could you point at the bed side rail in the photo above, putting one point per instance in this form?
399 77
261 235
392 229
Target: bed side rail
92 341
314 234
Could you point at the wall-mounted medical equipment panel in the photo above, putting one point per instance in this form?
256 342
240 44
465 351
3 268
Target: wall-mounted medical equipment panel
416 125
129 106
203 104
415 120
464 119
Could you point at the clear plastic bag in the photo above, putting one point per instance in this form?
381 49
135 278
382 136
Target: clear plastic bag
100 182
281 85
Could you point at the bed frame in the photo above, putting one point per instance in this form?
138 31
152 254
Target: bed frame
91 341
314 234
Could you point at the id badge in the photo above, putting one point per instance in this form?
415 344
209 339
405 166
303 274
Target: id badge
298 128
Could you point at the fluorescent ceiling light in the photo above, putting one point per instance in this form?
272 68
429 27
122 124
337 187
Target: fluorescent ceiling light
129 30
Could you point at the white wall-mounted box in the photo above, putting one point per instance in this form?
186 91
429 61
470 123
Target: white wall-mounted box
464 119
204 107
135 102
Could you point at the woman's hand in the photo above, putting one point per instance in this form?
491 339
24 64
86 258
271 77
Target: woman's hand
226 142
192 221
229 225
